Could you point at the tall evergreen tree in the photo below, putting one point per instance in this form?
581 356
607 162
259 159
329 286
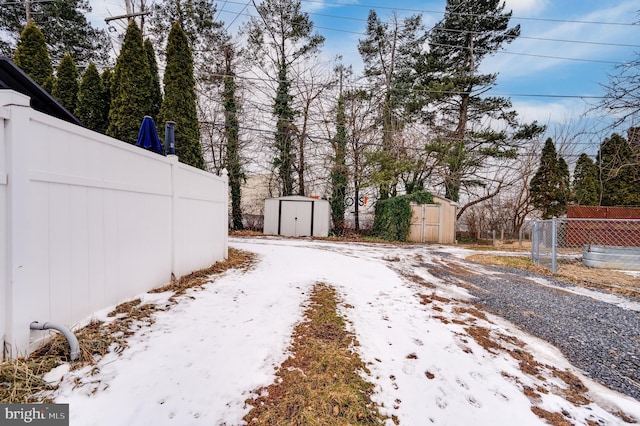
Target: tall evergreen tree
565 181
130 88
156 91
179 104
339 171
619 172
280 37
32 56
470 32
232 135
65 86
391 53
107 80
92 108
65 28
585 182
547 187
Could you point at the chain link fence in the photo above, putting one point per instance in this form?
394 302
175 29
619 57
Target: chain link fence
610 243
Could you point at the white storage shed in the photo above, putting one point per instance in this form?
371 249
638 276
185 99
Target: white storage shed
296 216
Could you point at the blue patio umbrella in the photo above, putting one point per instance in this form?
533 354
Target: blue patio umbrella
148 136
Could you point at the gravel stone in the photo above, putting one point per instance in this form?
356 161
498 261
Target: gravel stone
600 338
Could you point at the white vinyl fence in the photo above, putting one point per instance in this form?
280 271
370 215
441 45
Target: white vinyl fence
87 221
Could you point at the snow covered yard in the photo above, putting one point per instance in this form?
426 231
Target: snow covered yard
433 357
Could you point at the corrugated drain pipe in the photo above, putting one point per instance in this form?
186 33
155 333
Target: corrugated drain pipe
71 338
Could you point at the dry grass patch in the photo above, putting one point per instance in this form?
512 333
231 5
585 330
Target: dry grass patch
555 419
237 259
21 379
321 383
416 279
578 274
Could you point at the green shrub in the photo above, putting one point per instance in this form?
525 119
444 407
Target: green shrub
393 215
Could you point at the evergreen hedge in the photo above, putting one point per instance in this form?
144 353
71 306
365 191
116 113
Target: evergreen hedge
393 215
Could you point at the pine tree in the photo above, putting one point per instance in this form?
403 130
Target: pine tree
547 185
469 32
585 182
156 91
618 172
64 26
232 135
282 26
130 88
391 53
92 108
32 56
179 104
65 86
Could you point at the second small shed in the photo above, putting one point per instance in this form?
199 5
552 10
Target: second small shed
434 223
296 216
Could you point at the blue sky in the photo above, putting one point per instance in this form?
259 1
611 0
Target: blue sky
591 35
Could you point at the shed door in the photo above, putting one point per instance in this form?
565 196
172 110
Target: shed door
425 223
295 218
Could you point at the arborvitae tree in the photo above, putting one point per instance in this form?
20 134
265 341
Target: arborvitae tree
198 20
156 91
232 135
282 35
619 172
547 185
585 182
65 86
107 80
64 25
92 108
130 88
339 171
179 104
32 56
469 32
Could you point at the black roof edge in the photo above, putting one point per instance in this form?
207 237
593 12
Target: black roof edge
12 77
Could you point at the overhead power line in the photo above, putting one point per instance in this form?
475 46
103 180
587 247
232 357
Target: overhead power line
466 47
441 12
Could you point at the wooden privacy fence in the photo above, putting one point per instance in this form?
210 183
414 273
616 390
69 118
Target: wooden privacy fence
609 226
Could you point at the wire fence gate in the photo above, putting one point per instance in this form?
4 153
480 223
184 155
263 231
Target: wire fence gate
601 243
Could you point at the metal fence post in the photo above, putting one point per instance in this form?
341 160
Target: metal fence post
554 245
535 241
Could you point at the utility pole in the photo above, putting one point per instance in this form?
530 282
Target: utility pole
128 16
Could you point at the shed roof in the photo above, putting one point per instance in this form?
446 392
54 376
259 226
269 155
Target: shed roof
296 198
441 199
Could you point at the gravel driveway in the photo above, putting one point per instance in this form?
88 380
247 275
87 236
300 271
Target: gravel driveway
601 338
